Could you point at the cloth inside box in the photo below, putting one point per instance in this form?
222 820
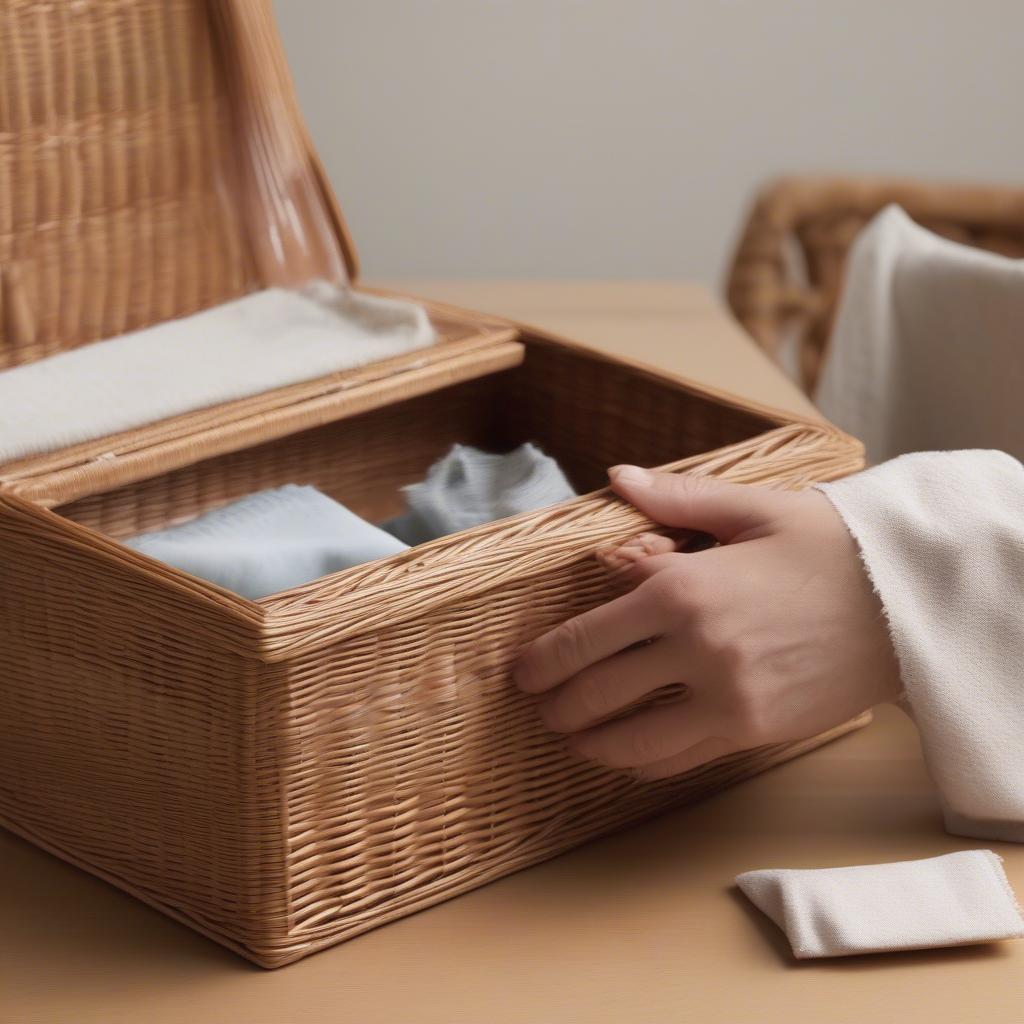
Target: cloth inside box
277 539
582 410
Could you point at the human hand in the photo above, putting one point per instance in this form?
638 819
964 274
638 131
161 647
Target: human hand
776 633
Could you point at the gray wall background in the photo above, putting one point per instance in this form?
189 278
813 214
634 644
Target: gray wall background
622 138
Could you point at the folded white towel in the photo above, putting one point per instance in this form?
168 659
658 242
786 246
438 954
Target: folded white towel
469 487
254 344
953 900
269 542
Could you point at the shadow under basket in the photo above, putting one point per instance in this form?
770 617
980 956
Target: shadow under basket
285 774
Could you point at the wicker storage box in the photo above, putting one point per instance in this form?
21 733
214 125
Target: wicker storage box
286 773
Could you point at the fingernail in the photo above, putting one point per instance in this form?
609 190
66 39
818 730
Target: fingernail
628 474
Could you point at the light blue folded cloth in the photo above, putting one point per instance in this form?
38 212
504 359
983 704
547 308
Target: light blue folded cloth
270 541
469 487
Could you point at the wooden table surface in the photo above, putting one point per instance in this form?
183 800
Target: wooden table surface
644 926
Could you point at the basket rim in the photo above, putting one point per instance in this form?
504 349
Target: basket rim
417 582
55 478
476 560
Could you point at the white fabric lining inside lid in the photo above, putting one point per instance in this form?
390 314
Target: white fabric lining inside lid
262 341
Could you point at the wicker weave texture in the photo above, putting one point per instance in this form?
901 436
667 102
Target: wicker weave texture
288 773
153 162
141 167
787 270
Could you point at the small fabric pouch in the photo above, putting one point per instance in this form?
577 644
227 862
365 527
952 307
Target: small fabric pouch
953 900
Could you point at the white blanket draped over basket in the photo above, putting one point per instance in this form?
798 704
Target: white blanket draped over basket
928 348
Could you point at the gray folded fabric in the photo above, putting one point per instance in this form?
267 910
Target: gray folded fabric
270 541
469 487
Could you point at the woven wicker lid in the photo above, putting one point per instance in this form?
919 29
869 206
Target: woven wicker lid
154 162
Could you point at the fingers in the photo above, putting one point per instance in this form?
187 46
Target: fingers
648 737
640 557
729 512
644 545
591 637
636 570
611 686
704 752
647 545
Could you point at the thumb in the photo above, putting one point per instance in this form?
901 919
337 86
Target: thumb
729 512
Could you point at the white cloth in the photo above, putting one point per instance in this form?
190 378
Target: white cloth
953 900
942 537
269 541
254 344
928 353
469 487
928 348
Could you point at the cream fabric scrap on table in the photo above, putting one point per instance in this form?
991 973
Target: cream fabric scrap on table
953 900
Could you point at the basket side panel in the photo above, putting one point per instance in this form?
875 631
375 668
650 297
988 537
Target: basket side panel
132 734
415 771
596 412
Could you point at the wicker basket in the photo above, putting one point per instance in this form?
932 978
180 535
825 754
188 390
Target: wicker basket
287 773
788 266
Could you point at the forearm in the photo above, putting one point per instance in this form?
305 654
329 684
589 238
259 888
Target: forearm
942 536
